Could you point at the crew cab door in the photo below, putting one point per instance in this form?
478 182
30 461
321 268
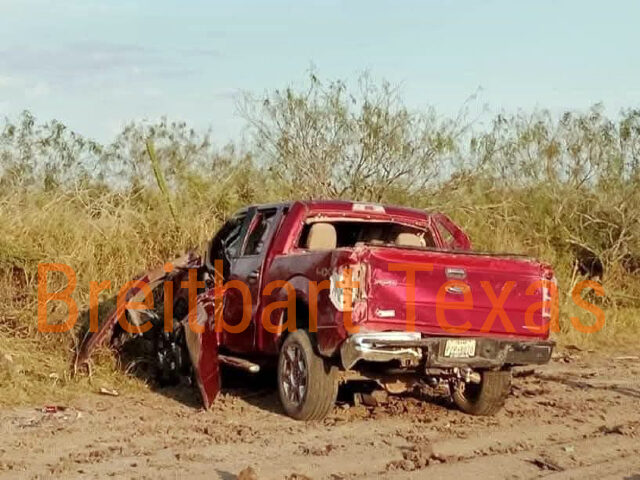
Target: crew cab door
241 302
451 237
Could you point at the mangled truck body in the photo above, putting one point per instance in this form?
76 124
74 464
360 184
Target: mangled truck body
335 291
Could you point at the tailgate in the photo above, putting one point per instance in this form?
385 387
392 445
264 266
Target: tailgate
461 293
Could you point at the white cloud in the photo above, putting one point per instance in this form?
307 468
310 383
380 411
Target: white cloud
62 64
9 82
74 59
152 91
20 86
39 89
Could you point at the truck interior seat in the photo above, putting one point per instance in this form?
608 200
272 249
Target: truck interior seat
407 239
322 236
373 234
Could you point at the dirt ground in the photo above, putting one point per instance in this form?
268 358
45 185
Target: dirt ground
578 417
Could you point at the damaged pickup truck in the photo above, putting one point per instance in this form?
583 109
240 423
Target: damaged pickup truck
332 291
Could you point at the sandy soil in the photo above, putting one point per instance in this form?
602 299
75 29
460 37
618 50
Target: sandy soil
578 417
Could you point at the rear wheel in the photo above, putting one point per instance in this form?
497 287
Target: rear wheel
486 397
307 383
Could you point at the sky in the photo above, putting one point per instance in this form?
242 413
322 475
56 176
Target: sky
97 64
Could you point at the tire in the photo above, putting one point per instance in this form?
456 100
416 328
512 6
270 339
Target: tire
171 356
486 397
307 383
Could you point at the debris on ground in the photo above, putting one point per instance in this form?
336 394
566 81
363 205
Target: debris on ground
573 348
109 391
47 416
298 476
564 357
523 373
53 408
248 474
545 463
371 399
616 429
317 451
417 457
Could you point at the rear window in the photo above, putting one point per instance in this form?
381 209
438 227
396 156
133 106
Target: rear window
350 233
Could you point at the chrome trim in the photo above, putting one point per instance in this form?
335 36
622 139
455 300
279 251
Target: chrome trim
455 290
456 272
362 346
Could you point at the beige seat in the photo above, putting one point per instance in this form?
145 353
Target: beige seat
406 239
322 236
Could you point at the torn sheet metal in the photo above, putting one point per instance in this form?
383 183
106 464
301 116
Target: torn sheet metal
153 279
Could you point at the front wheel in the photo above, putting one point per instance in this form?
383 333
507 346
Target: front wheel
172 357
307 383
486 397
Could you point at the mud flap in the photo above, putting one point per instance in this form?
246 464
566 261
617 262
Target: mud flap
203 351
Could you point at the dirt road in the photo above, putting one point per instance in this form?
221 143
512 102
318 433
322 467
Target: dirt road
578 417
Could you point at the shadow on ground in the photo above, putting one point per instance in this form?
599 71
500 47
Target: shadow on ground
136 355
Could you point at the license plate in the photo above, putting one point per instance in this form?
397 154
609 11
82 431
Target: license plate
460 348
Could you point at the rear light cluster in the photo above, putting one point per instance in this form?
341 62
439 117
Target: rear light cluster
547 273
337 290
549 288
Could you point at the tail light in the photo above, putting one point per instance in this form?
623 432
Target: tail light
337 288
549 288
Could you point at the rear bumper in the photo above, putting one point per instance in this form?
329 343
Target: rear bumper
411 349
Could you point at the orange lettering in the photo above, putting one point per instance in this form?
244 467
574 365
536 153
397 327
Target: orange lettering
551 304
45 296
123 305
576 295
411 269
94 289
289 304
497 309
442 305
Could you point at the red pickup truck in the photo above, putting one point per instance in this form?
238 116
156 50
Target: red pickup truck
335 291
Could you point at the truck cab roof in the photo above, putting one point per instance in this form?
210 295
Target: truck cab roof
345 208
